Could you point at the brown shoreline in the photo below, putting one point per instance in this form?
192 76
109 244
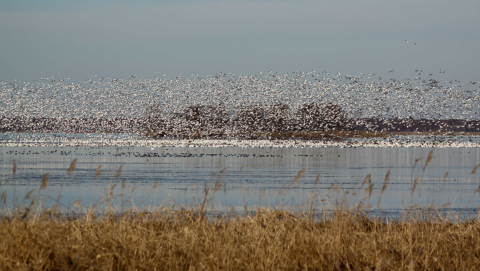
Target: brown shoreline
288 135
436 133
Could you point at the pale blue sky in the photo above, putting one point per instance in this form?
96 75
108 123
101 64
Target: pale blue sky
79 39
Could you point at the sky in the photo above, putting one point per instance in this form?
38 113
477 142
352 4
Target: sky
81 39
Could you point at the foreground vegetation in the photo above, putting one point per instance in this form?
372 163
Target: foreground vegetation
267 240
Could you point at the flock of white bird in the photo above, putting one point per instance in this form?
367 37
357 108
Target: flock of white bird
359 96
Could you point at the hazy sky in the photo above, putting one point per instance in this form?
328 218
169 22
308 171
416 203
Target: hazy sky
80 39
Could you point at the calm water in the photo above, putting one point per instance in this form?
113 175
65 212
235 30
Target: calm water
249 176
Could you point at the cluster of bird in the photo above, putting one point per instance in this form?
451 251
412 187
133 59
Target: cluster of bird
299 100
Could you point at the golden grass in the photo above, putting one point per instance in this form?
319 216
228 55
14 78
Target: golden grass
268 240
45 181
98 171
71 169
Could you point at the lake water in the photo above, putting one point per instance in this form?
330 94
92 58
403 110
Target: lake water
245 176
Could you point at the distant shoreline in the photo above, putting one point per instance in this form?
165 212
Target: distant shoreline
430 133
134 140
348 134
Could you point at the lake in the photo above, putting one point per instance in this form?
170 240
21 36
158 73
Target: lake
243 176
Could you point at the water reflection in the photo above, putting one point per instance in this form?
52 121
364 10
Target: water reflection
247 176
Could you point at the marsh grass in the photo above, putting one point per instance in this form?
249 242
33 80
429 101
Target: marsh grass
320 233
340 239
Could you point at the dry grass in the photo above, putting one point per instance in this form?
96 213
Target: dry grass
268 240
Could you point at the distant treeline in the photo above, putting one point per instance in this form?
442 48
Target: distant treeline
217 121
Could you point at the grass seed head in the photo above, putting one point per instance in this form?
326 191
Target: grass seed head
71 169
98 171
415 184
45 181
299 175
317 179
429 158
119 172
29 193
475 169
4 197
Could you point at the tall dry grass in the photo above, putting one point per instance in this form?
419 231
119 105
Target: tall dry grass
268 240
336 237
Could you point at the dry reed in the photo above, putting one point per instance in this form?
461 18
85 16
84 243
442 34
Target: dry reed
317 179
119 172
299 175
4 197
98 171
429 159
45 181
71 169
384 187
270 239
475 169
